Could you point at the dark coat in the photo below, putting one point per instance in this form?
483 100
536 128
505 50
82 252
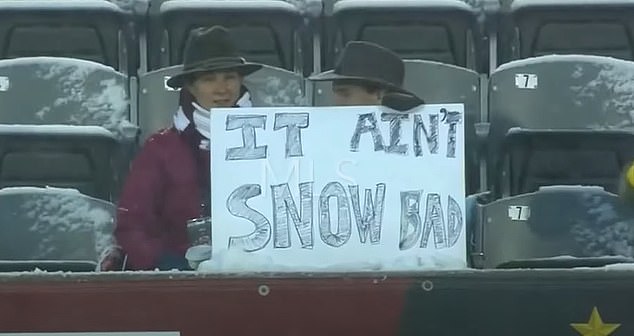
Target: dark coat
164 189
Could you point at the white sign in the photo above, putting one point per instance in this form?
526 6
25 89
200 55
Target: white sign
314 188
526 81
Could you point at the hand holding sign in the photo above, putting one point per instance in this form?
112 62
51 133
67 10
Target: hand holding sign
401 197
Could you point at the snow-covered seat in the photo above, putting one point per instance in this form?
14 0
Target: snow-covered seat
544 27
94 30
71 92
53 229
566 92
264 31
438 30
269 86
575 221
77 157
436 83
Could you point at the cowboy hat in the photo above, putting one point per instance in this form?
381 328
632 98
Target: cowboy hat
372 63
211 49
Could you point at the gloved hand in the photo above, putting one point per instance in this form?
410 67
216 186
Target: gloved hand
170 261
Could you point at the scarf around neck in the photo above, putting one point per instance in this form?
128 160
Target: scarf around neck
201 118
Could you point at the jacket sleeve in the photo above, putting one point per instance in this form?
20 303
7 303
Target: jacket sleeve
138 229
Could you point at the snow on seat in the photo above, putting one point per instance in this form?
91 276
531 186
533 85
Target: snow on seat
601 28
264 31
595 223
437 30
84 29
269 86
53 229
80 157
64 91
560 92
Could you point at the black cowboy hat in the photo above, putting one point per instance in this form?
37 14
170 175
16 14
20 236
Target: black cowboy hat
211 49
374 64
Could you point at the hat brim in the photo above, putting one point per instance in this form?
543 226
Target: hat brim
178 81
330 75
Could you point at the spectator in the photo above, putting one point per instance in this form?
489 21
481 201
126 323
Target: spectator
169 181
368 74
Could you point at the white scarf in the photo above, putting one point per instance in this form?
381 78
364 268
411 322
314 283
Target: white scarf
202 118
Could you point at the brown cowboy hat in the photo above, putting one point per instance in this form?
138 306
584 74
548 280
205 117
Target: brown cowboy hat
211 49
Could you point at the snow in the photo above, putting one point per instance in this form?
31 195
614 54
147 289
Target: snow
87 93
56 130
65 223
619 267
276 87
59 5
564 59
35 190
605 229
343 5
519 4
604 84
276 5
240 263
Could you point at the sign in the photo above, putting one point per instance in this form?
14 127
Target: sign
337 189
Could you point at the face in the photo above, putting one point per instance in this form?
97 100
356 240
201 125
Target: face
346 95
216 89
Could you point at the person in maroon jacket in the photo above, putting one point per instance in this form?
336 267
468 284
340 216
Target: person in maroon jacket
169 180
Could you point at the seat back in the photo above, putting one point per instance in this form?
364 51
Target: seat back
441 31
77 157
558 93
263 31
436 83
55 225
94 30
63 91
269 86
532 226
536 28
532 159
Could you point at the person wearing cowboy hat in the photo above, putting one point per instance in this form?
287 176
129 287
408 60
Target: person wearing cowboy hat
369 74
169 181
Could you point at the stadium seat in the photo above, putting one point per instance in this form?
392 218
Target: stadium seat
264 31
269 86
77 157
535 158
544 27
94 30
53 229
531 230
559 94
442 31
68 92
436 83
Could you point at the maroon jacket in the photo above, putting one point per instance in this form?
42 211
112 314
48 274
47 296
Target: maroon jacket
162 192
